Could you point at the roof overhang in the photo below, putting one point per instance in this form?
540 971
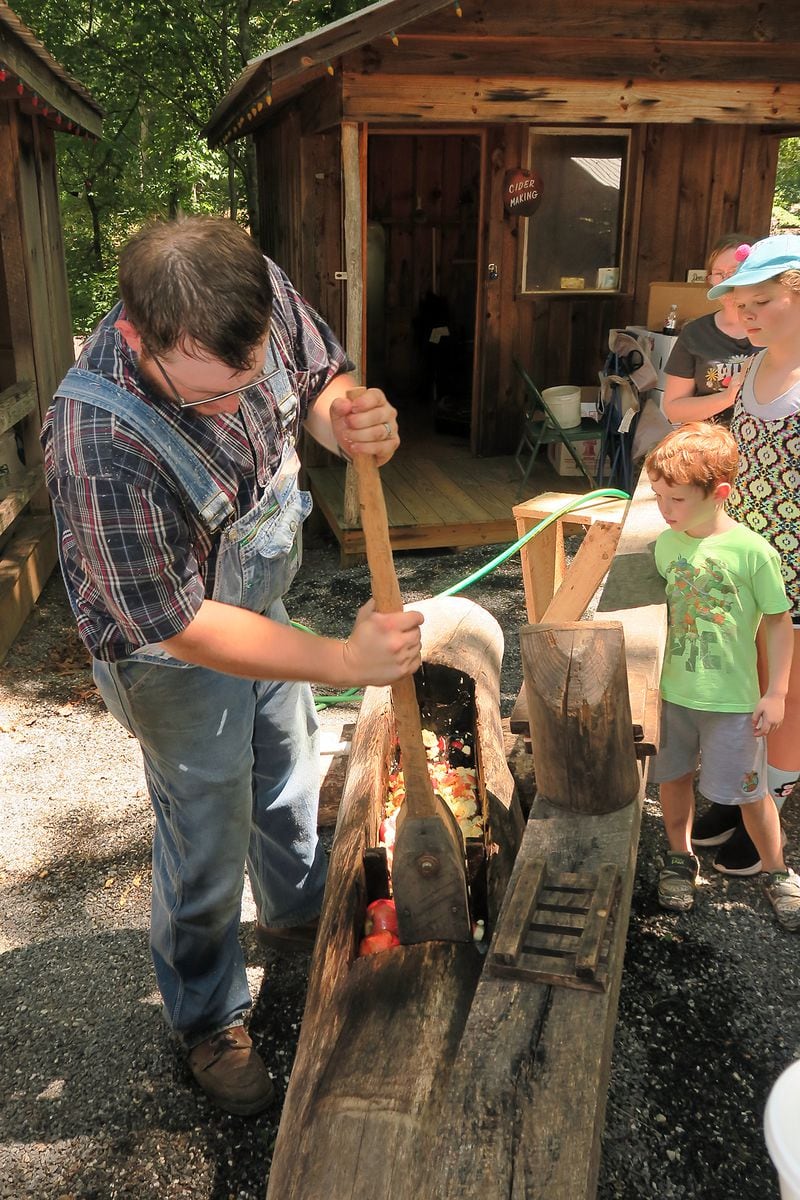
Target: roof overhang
30 75
281 73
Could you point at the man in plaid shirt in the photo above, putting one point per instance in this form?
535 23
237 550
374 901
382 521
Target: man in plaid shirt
170 453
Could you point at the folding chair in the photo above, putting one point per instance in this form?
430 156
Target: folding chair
540 428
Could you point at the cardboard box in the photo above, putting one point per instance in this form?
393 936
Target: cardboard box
590 400
564 463
690 298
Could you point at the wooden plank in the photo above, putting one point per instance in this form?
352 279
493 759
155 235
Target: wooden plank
13 250
577 57
411 487
726 183
334 759
24 569
513 930
527 1102
587 956
755 203
354 215
397 511
12 503
52 90
15 403
55 261
708 22
448 496
585 574
593 102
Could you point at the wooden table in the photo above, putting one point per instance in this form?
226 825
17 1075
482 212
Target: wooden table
543 558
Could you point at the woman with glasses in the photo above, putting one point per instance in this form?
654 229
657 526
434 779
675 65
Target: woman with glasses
710 351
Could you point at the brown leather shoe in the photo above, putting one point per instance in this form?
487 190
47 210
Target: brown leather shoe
291 939
232 1073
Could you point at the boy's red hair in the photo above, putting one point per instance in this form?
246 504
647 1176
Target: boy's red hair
698 454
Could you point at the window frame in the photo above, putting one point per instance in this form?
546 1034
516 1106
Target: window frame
625 193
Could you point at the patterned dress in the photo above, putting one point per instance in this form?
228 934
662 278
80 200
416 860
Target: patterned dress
766 496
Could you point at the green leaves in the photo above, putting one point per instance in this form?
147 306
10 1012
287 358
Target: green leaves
158 69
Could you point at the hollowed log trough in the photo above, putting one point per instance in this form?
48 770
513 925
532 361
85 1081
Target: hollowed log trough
380 1034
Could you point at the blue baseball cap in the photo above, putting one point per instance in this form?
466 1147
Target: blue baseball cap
766 259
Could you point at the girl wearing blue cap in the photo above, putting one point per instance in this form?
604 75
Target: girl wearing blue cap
766 425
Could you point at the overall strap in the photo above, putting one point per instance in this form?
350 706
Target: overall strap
281 388
211 505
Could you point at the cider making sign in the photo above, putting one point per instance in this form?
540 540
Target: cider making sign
522 192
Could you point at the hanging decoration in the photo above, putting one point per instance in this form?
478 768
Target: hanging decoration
25 92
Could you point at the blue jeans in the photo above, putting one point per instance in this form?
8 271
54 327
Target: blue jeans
233 772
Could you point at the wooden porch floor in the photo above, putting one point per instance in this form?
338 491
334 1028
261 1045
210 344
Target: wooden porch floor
438 495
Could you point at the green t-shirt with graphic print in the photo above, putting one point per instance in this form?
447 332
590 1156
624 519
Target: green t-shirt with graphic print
718 588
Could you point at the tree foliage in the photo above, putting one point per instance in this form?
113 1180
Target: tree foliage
158 69
787 183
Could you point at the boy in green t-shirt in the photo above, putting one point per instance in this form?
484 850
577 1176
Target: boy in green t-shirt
722 581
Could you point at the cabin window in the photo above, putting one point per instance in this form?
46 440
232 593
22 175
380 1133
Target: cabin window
572 241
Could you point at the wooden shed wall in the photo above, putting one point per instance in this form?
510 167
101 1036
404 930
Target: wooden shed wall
299 187
300 198
35 351
688 184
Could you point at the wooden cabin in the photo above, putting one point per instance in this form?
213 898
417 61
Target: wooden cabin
37 100
393 148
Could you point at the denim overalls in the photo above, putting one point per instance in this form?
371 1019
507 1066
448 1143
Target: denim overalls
232 765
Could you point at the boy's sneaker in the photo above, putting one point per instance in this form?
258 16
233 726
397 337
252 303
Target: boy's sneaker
717 825
783 893
677 880
739 856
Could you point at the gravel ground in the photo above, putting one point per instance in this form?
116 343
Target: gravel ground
96 1105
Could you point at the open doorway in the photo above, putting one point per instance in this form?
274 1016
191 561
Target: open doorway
423 196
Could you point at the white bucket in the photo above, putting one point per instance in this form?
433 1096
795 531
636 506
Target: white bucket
564 403
781 1126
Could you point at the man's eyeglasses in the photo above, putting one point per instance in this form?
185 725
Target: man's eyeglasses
208 399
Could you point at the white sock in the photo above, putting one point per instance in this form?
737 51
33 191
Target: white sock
781 783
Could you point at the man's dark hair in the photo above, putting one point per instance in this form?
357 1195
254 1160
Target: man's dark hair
201 279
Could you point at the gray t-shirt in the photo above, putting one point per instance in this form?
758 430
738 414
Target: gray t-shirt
707 355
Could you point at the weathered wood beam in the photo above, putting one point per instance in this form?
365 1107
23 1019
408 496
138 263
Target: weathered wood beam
15 403
354 175
394 98
578 58
527 1095
766 22
25 567
53 91
585 574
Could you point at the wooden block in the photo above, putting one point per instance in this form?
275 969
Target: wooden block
334 760
24 569
585 573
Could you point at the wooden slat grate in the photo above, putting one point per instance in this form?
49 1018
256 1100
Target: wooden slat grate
556 927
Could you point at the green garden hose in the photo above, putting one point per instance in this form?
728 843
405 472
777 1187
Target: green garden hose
354 694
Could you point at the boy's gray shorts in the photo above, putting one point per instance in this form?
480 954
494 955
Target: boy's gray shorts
733 761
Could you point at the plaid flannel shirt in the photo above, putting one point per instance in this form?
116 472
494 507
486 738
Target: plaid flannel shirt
136 562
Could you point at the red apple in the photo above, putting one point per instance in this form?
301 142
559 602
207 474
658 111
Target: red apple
381 915
375 943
